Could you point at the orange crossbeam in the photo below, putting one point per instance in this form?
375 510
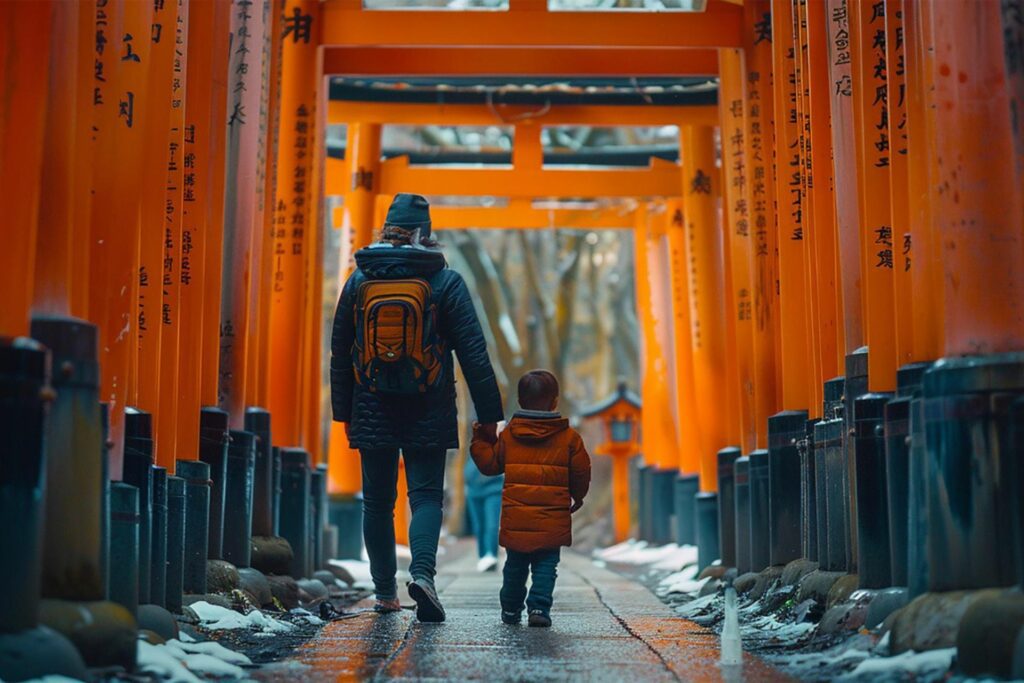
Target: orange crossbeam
661 179
521 215
347 24
407 113
518 61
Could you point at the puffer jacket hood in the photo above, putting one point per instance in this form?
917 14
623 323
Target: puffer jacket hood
535 430
387 262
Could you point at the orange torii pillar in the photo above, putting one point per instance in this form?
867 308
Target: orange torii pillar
161 213
978 214
116 209
344 475
654 308
690 432
202 219
764 270
706 277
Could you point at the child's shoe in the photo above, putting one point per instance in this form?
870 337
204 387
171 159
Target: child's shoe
538 618
515 618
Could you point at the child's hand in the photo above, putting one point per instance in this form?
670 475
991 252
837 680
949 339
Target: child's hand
576 505
486 432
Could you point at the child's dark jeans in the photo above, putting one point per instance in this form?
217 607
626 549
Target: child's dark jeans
543 565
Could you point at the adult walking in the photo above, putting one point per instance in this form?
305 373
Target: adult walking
400 316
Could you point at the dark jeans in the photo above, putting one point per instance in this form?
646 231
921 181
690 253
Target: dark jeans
484 513
543 565
424 473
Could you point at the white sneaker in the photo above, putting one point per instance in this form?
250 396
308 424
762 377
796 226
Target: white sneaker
487 563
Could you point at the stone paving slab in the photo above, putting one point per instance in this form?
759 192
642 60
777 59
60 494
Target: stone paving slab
605 628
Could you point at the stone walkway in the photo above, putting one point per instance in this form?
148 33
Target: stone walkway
606 628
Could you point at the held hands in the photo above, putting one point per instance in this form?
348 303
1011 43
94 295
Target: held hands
486 432
576 505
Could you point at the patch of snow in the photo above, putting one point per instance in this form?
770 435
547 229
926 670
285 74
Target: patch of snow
668 556
159 660
219 618
53 678
781 629
695 607
307 617
600 564
185 638
685 586
918 664
209 648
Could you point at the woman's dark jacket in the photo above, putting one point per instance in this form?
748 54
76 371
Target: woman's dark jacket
412 422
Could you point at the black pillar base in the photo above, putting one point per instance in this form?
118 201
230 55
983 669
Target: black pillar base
646 504
873 553
727 505
318 493
158 541
760 522
124 546
785 431
662 504
808 494
686 488
175 543
741 485
138 471
828 437
197 524
295 508
856 386
238 489
257 421
706 510
24 372
213 450
346 513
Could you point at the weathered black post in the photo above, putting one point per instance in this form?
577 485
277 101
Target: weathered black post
295 507
158 555
318 486
820 493
705 506
257 421
345 511
275 491
828 435
874 566
917 502
856 386
785 431
760 511
197 524
238 490
727 505
124 546
138 471
808 493
897 466
741 484
1017 480
646 506
24 394
662 504
686 488
213 450
175 543
73 563
971 508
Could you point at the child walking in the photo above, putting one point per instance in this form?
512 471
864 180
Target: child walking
547 475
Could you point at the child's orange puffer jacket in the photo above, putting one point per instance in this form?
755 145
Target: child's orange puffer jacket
546 466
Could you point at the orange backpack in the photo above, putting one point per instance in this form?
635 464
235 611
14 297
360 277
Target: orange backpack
397 347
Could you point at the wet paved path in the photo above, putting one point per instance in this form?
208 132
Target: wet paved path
606 628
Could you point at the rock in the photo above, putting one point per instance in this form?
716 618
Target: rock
285 589
151 637
714 571
211 598
816 585
315 589
271 555
848 616
988 635
710 588
158 620
884 603
221 576
930 621
256 585
745 582
325 576
104 633
842 589
796 570
764 581
341 574
37 652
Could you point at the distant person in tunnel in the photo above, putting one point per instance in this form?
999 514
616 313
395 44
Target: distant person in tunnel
400 316
547 476
483 502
